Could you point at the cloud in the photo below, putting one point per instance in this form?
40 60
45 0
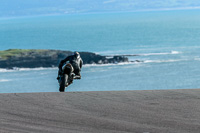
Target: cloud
109 1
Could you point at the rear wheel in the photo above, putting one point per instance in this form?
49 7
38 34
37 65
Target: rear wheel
63 83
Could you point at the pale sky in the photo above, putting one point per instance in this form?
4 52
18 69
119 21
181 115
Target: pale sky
40 7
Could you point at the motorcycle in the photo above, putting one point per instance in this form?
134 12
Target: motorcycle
66 77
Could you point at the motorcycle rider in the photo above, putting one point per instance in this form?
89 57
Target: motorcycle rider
76 61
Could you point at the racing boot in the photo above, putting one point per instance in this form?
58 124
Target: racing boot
78 76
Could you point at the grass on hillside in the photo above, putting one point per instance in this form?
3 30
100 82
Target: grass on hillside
14 52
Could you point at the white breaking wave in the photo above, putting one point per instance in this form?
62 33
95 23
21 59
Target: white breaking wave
36 69
136 63
6 70
162 61
111 64
144 54
27 69
4 80
175 52
166 53
197 58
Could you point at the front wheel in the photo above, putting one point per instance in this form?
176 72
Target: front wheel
63 83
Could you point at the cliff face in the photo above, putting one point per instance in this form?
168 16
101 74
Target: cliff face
49 58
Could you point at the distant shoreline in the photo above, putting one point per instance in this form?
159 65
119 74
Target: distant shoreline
33 58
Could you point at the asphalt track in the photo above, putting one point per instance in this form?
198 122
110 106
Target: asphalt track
154 111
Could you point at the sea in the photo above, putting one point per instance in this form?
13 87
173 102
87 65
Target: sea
167 44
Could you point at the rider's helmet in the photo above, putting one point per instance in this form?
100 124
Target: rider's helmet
76 54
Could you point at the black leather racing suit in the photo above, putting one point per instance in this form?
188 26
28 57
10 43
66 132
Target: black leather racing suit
76 62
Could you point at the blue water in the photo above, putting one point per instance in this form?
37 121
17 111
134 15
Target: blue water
167 42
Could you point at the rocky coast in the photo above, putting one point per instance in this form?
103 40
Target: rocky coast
32 58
